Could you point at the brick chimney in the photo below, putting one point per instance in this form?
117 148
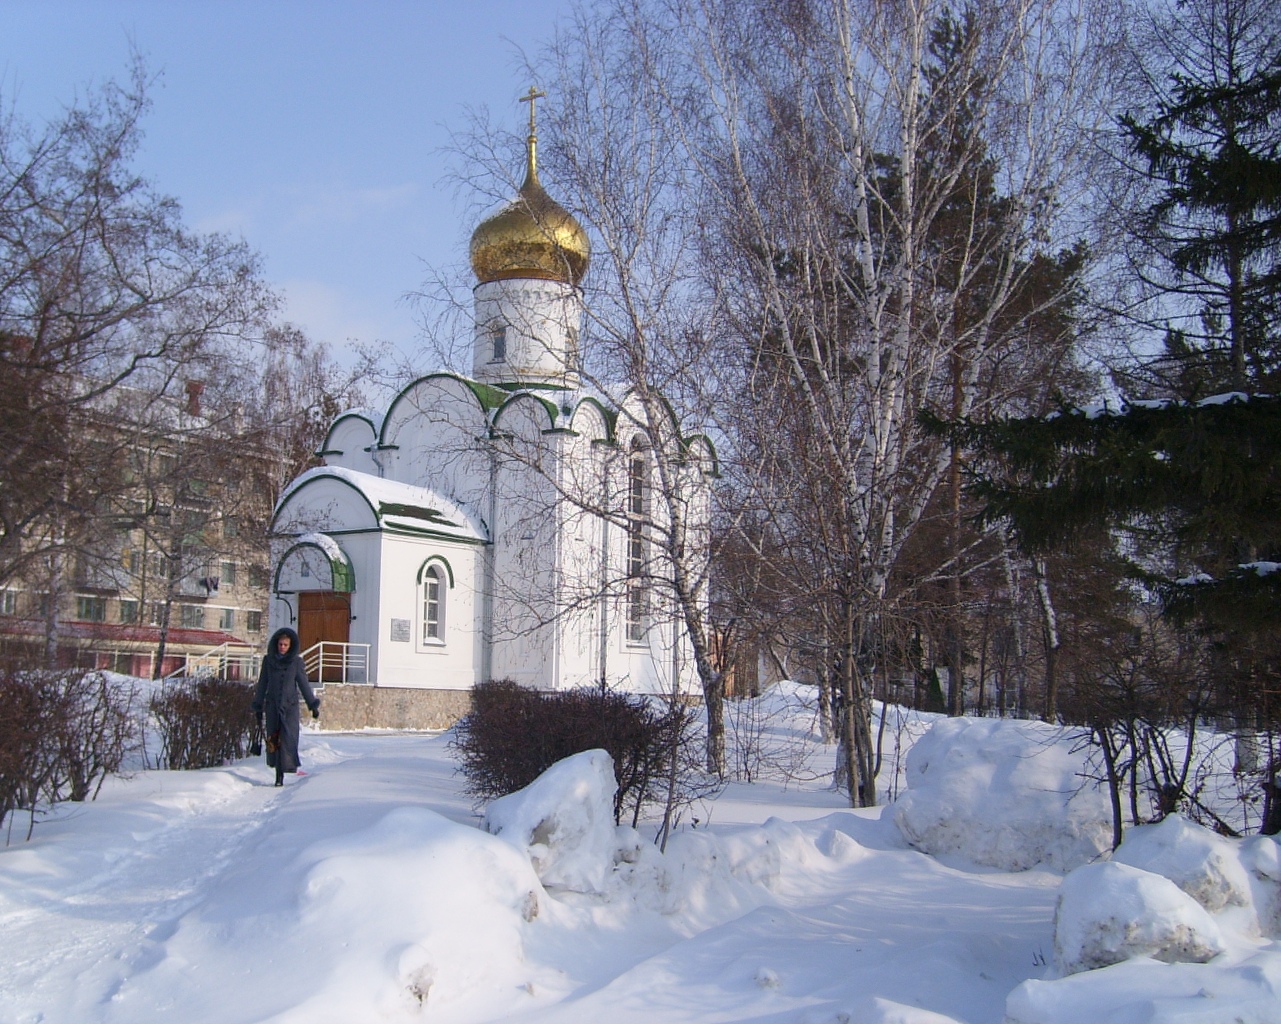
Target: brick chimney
195 388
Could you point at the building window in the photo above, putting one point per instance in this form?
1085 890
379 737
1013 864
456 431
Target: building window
637 512
227 619
257 577
498 338
571 345
230 526
227 574
128 611
8 602
192 616
156 614
253 621
159 565
433 606
91 609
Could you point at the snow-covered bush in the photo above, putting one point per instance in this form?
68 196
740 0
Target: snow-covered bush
203 722
1108 913
62 734
564 821
513 733
1008 794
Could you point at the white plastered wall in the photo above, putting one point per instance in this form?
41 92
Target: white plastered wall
525 539
435 437
349 442
407 658
539 317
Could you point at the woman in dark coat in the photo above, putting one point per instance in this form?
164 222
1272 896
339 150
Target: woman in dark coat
282 678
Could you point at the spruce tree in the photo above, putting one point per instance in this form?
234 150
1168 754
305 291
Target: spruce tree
1208 140
1186 484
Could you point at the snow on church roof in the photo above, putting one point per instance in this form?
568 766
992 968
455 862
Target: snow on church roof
400 506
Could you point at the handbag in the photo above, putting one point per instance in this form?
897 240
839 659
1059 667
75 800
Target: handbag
255 739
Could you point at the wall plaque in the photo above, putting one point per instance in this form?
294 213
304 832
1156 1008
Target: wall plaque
400 630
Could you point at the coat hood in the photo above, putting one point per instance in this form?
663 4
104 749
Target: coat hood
294 644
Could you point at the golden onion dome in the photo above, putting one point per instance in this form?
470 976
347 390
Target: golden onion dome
534 236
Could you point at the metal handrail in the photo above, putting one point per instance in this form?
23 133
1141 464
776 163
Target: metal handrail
219 661
330 662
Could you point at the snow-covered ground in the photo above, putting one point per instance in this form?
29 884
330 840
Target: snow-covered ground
371 890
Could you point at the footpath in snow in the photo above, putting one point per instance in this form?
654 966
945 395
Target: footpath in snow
369 890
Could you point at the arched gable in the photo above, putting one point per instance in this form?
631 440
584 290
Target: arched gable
314 562
703 453
324 501
525 415
631 418
446 396
592 420
431 434
336 500
696 448
349 440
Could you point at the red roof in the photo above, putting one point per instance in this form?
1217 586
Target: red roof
115 632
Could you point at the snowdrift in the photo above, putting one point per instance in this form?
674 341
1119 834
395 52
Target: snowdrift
366 891
563 822
1006 794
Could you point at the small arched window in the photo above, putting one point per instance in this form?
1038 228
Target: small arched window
433 605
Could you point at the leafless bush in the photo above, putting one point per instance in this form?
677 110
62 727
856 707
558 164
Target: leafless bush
97 726
61 735
765 740
203 722
512 734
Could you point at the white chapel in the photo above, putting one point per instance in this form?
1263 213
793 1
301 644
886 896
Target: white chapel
500 525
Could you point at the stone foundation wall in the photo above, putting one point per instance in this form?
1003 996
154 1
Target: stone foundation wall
344 708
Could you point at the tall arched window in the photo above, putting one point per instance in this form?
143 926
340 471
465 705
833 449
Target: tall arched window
571 349
433 605
637 516
498 336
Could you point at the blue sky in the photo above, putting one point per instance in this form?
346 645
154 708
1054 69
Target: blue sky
315 129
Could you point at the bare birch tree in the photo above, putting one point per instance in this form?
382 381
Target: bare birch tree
874 184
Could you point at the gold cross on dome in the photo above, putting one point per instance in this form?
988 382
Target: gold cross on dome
531 98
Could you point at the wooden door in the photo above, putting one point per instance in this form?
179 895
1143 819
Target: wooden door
324 616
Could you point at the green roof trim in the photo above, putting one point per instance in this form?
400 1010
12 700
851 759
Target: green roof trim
430 515
342 574
441 560
549 407
516 385
610 416
401 530
487 398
